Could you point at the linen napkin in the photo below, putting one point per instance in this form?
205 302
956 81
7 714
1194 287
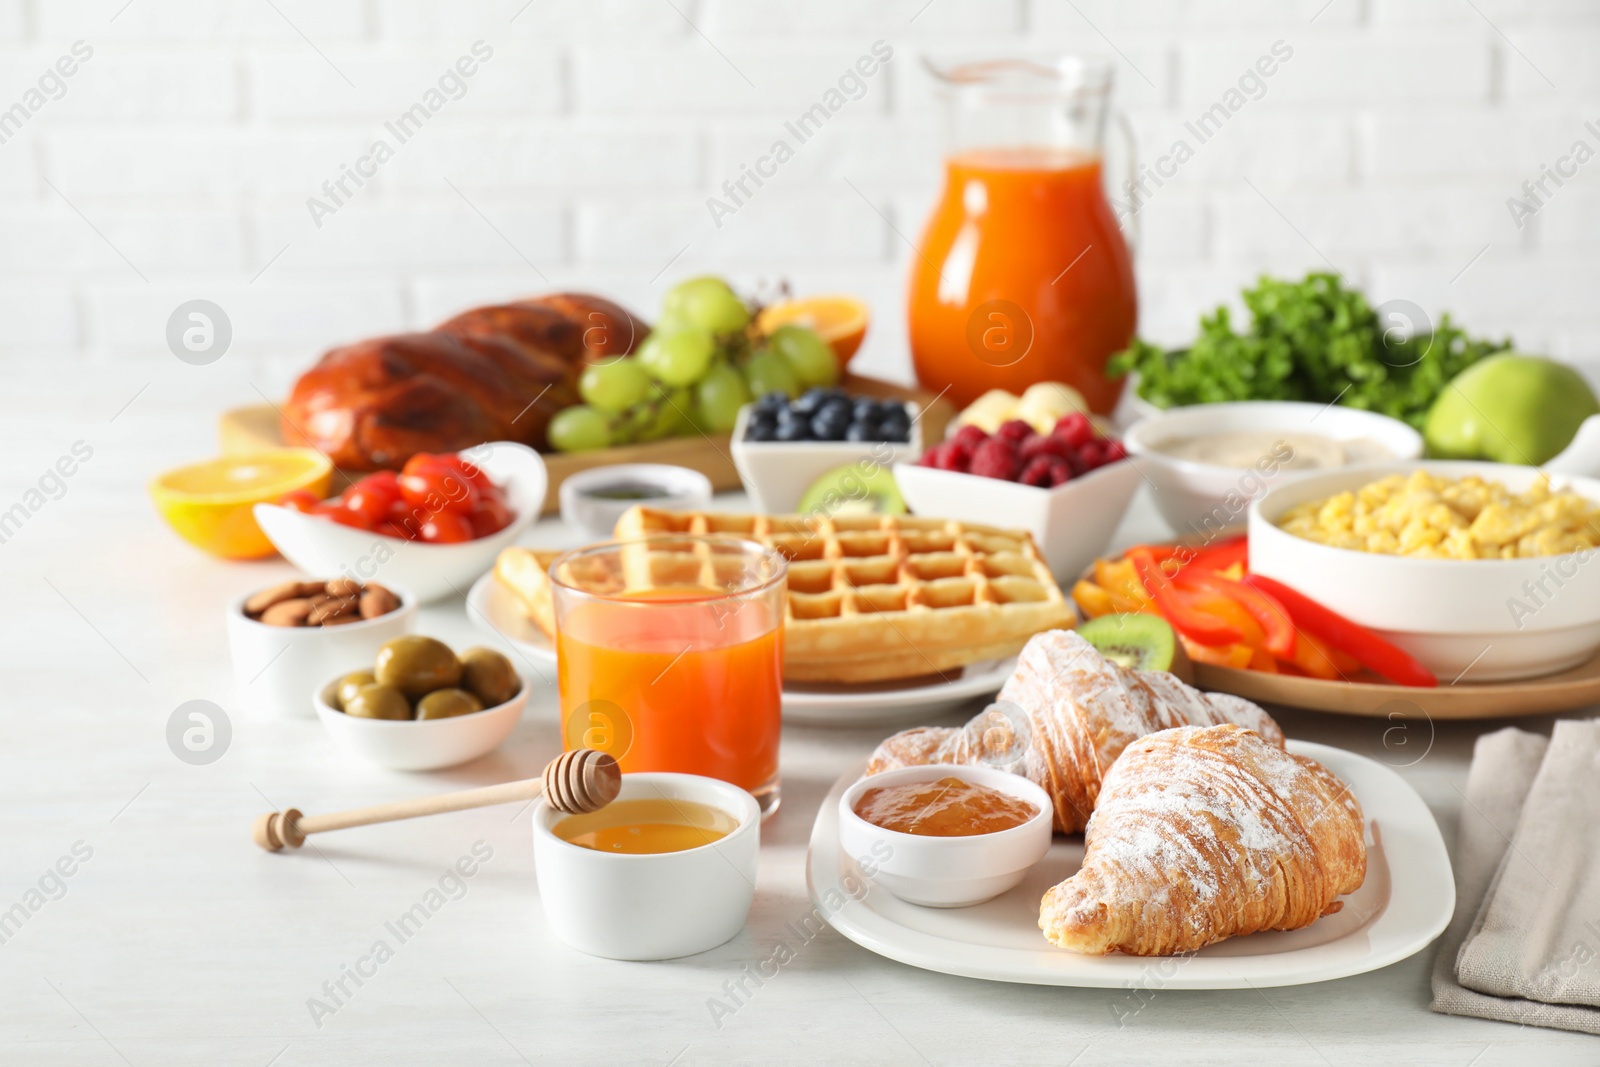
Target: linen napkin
1505 765
1537 934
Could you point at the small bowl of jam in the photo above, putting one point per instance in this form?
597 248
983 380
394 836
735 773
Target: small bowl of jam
946 836
667 869
592 500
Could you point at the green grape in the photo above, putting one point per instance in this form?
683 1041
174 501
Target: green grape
579 428
678 358
614 386
707 303
813 361
720 395
768 372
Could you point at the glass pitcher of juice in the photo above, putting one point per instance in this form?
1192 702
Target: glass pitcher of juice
669 656
1022 274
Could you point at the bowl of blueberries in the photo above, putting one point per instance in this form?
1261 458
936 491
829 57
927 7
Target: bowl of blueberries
790 450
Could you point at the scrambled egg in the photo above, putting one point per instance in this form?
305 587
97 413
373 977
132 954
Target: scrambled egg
1440 518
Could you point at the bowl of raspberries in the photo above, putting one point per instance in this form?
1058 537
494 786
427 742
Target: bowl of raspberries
1015 453
1069 488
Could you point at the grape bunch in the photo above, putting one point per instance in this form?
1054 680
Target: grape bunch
703 361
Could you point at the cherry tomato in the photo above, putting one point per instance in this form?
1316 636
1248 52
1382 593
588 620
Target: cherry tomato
389 529
447 528
490 516
470 470
438 488
335 510
369 502
302 500
387 481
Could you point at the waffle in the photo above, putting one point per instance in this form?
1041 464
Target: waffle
881 597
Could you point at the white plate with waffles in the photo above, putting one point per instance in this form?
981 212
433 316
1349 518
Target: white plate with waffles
1405 902
496 609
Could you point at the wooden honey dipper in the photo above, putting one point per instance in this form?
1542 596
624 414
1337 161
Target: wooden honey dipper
574 782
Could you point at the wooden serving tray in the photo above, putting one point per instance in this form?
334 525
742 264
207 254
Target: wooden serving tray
253 428
1568 690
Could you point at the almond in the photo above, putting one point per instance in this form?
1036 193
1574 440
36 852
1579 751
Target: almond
377 601
343 587
291 612
328 608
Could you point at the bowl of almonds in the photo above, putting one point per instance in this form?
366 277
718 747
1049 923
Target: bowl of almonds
288 638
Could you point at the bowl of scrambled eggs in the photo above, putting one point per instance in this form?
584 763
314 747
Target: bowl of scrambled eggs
1483 571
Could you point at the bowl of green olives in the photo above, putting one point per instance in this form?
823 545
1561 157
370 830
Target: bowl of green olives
420 706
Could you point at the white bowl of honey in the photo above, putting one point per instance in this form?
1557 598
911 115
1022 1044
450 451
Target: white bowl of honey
667 869
945 836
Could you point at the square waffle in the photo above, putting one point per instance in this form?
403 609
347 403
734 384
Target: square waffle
880 597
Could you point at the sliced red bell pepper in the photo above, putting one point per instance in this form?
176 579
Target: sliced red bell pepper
1263 607
1222 555
1177 608
1373 652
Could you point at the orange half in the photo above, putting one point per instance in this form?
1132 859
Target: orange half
210 504
839 320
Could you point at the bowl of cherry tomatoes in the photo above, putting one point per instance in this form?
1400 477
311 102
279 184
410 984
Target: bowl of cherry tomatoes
432 527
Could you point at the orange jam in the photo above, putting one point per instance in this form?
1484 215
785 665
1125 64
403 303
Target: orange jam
949 807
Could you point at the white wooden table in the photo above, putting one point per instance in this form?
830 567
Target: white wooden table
178 941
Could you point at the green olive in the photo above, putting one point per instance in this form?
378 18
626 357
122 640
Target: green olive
447 704
489 676
417 665
378 702
349 684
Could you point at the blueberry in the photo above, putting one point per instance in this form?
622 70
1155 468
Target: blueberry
862 431
808 403
763 426
896 426
793 430
864 407
835 407
774 401
829 426
892 409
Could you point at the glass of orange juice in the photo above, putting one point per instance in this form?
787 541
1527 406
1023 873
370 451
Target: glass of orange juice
670 656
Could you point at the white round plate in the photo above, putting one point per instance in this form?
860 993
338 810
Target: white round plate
892 703
1405 902
496 609
493 607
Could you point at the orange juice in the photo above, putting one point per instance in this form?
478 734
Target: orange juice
678 679
1022 276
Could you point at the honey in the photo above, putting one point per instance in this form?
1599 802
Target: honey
949 807
647 826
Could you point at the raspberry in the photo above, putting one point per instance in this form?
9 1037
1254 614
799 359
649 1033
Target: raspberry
952 455
1044 445
1039 471
1091 454
995 458
1075 429
1060 474
1114 450
1016 431
971 435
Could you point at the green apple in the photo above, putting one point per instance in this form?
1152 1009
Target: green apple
1509 409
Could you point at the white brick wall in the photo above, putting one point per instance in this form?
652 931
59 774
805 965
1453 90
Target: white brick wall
585 148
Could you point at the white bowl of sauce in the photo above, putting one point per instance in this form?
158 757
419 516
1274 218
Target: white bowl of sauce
946 836
593 500
1207 463
667 869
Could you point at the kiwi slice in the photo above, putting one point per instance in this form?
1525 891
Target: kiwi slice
1138 641
856 489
